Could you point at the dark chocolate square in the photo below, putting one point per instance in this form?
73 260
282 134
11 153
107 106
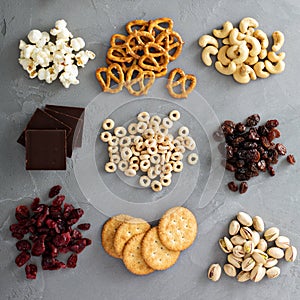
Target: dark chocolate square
46 149
73 123
42 120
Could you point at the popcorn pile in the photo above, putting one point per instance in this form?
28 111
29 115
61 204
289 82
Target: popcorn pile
47 60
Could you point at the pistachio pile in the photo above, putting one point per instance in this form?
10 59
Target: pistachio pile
250 256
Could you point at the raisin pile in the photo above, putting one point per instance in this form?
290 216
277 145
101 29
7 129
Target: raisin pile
49 230
250 149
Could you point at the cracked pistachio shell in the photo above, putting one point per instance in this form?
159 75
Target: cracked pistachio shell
243 276
273 272
246 233
238 251
270 262
258 224
214 272
290 254
230 270
282 242
275 252
248 264
262 245
244 219
255 237
234 227
271 234
225 245
257 273
237 240
249 247
235 261
260 256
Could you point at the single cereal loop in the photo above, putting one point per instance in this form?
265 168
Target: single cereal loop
115 158
105 136
177 156
151 173
114 141
155 159
177 228
174 115
152 150
143 117
132 256
108 124
183 131
165 181
156 119
113 149
145 156
130 172
134 167
155 254
125 141
156 186
167 123
134 151
134 160
126 153
163 130
193 158
148 133
167 168
154 126
110 167
137 139
108 233
141 127
178 166
127 230
151 142
132 128
123 165
120 131
157 169
145 181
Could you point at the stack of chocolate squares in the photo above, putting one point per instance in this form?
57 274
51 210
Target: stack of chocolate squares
50 136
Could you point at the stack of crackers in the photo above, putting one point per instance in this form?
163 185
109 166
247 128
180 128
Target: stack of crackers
145 249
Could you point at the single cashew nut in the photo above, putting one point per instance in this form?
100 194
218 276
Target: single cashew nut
223 33
259 70
232 51
250 31
254 45
229 70
226 41
208 40
251 60
273 57
233 37
263 53
241 36
243 54
262 37
207 52
246 23
242 74
275 69
278 38
222 57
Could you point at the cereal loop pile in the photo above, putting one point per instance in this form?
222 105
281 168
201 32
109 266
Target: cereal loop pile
139 57
244 52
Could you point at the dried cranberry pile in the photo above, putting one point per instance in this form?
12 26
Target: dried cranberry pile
251 149
50 232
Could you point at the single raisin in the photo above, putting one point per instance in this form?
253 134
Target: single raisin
243 187
291 159
272 124
271 171
281 149
233 186
252 120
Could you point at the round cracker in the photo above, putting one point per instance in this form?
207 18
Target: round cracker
108 233
132 256
177 228
155 254
127 230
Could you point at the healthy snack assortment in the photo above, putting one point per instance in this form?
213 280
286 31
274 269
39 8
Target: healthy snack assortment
51 232
244 51
148 146
48 60
145 249
250 149
136 59
252 252
50 136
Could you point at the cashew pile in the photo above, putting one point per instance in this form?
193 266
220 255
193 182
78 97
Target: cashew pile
244 52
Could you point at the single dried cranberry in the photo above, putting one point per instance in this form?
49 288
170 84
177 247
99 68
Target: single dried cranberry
22 258
75 215
51 250
281 149
22 212
38 247
87 241
62 239
63 250
49 263
18 236
55 212
68 208
52 224
271 171
31 271
41 218
272 124
84 226
23 245
291 159
78 246
76 234
252 120
58 201
54 191
233 186
243 187
35 203
72 261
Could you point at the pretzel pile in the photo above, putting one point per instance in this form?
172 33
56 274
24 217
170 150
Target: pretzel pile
136 59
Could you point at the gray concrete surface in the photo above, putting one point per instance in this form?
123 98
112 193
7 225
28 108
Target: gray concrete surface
99 276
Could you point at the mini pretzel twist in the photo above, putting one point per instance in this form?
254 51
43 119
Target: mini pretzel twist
132 78
172 83
113 73
137 25
156 25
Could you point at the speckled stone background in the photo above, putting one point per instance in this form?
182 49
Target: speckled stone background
99 276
